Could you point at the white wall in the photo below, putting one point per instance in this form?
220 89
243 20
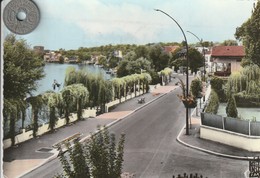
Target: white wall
250 143
24 136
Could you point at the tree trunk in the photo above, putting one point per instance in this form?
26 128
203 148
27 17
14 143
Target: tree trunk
12 128
35 122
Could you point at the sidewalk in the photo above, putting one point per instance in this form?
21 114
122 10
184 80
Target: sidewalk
31 154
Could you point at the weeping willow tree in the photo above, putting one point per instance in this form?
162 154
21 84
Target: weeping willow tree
147 79
12 111
166 73
37 103
81 94
117 83
53 100
105 94
245 85
75 96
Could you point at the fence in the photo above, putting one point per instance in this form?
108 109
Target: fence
230 131
245 127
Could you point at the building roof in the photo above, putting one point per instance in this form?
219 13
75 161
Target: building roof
170 48
228 51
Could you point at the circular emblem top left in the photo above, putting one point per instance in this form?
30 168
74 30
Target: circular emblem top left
21 16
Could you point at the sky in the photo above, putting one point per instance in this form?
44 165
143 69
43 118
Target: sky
70 24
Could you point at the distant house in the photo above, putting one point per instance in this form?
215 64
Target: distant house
39 50
118 53
71 59
170 49
52 57
226 59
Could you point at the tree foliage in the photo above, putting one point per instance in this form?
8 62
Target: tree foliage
75 96
106 158
196 87
126 67
195 60
247 81
52 100
100 157
231 109
248 33
21 68
213 104
229 43
158 57
36 103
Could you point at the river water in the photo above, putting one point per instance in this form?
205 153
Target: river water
58 71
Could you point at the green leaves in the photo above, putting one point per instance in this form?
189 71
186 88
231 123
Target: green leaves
248 33
100 157
196 87
75 95
106 158
213 104
21 68
231 108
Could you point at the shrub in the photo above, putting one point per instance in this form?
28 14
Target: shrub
217 85
231 108
101 156
196 87
246 100
213 104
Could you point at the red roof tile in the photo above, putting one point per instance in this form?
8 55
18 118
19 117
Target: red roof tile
237 51
170 48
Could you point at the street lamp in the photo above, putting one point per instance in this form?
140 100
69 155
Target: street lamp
187 69
204 72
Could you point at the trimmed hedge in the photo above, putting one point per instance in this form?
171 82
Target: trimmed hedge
213 104
244 100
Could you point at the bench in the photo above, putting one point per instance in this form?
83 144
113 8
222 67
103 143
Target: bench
141 100
68 139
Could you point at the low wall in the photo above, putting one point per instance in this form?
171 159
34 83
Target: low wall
123 99
27 135
246 142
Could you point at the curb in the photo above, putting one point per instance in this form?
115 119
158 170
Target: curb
206 150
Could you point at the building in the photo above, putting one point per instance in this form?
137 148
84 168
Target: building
170 49
39 50
226 59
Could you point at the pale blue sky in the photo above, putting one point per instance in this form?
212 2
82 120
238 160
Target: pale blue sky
71 24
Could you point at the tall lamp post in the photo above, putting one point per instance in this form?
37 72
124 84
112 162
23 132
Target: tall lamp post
204 72
187 69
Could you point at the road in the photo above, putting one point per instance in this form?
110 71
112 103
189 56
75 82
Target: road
151 149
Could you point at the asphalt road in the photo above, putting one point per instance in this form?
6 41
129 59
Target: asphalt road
151 149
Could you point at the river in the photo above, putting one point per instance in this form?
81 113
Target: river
58 71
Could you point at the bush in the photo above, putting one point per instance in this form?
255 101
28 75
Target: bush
196 87
101 156
231 108
213 104
217 85
246 100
